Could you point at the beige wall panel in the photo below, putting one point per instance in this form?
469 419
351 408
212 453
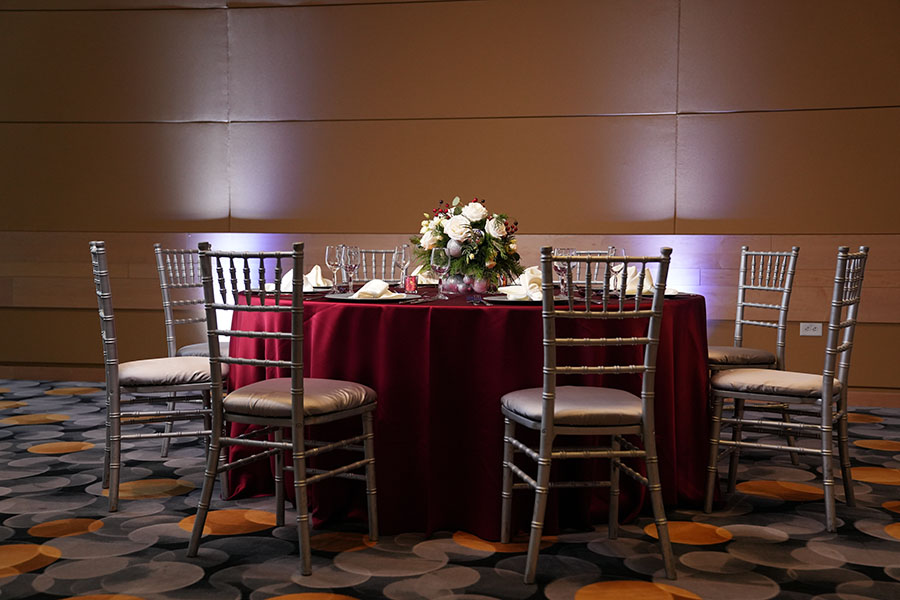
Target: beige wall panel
129 177
580 175
773 54
114 66
36 5
140 334
795 172
453 59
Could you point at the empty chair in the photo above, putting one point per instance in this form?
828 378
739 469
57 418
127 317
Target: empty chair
285 403
155 380
379 264
764 295
820 397
563 410
182 293
182 290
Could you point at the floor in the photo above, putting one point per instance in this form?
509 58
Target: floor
57 539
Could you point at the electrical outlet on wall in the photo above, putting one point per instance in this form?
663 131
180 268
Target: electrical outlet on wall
811 329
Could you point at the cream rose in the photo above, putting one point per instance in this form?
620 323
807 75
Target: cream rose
474 211
458 227
495 228
429 239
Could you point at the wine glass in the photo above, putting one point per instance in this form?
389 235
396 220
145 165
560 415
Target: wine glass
351 264
334 261
562 269
401 261
440 266
618 272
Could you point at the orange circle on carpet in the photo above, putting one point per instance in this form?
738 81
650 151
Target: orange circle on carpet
144 489
72 391
65 528
889 445
16 559
863 418
60 447
782 490
38 419
689 532
634 590
467 540
893 530
880 475
11 404
892 505
232 521
340 541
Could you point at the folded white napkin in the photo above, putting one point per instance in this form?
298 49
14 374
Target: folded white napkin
526 287
423 278
311 280
631 283
375 289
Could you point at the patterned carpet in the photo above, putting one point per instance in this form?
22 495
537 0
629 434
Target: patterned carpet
58 541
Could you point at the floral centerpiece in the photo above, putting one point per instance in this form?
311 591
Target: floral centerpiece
481 245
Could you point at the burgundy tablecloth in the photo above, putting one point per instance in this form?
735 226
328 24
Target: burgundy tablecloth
439 370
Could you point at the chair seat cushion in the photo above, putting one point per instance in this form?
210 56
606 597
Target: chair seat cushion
769 381
738 355
272 397
176 370
582 406
201 349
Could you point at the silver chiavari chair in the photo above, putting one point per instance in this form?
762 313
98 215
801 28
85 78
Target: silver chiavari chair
291 403
132 385
765 281
609 413
379 264
821 398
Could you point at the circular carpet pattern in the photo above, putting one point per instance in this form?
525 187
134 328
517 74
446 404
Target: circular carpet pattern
767 541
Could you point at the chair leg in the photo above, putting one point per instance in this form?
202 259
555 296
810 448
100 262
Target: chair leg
164 449
107 448
827 450
371 494
509 430
114 448
659 510
789 437
613 526
540 507
209 481
298 458
736 432
279 481
712 471
844 452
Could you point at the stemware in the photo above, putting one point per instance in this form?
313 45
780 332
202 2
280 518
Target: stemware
562 269
401 260
334 261
440 265
351 264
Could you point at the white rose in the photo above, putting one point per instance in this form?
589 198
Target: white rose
458 227
429 240
495 228
475 211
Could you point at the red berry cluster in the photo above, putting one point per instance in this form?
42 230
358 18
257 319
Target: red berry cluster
512 229
441 210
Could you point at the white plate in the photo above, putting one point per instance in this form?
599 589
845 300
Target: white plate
347 297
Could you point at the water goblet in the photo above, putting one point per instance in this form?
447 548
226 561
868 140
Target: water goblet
334 261
562 269
440 266
351 264
401 260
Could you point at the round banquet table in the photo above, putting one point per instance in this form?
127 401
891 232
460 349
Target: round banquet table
439 369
